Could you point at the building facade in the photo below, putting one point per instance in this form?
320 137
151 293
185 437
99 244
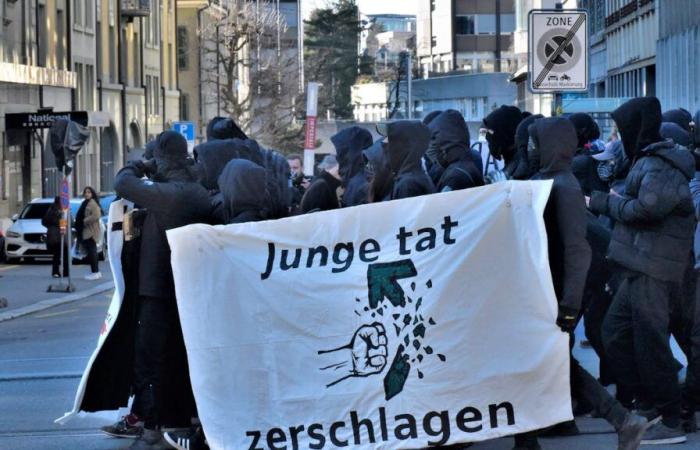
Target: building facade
678 61
114 59
471 36
631 32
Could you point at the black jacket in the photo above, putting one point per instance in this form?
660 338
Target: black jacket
449 146
176 201
321 195
212 157
408 141
565 214
244 192
518 166
52 222
654 221
585 169
349 144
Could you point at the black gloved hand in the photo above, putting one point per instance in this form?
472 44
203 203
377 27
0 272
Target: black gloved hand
566 319
599 202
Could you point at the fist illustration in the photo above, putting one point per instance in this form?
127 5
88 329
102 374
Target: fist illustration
369 350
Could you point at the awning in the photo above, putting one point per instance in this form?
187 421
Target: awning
98 119
519 75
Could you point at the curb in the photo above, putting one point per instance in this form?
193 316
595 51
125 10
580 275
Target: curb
50 303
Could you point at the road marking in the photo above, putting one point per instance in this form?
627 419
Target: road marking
44 316
3 268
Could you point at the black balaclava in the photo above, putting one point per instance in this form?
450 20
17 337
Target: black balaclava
226 129
503 121
349 144
150 149
449 141
172 158
638 122
586 128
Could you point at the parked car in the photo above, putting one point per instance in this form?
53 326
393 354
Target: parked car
2 247
26 237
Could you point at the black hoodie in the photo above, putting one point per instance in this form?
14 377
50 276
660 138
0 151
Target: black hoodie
565 215
654 221
519 168
349 144
224 128
380 181
244 191
408 141
584 166
321 195
212 157
503 122
449 146
174 201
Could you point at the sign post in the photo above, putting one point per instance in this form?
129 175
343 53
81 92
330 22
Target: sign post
558 57
310 141
186 129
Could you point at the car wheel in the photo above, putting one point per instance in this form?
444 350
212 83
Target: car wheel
9 260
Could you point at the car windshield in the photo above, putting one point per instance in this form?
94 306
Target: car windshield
35 211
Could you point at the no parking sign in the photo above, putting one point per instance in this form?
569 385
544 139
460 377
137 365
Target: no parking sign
558 57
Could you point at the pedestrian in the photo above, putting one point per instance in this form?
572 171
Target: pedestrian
499 128
173 198
449 149
349 144
651 242
220 128
584 167
87 226
299 183
378 172
54 241
520 168
552 147
322 194
244 192
407 141
679 116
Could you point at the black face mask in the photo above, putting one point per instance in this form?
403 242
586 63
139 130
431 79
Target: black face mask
606 170
495 150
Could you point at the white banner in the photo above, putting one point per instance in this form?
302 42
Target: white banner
424 321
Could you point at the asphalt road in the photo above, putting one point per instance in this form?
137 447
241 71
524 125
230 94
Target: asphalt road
43 354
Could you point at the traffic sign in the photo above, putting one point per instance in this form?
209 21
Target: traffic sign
186 129
558 57
65 194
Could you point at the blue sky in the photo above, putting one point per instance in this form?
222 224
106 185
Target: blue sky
371 6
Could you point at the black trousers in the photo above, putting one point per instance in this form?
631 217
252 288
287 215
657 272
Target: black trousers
56 259
91 247
636 337
161 374
685 327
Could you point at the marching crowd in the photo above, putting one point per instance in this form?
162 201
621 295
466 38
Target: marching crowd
621 224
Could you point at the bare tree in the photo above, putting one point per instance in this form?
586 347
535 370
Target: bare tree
254 77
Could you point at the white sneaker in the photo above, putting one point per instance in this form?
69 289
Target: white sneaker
94 276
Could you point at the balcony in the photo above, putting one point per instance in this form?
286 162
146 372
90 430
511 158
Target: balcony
136 8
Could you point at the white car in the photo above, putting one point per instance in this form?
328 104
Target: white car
26 237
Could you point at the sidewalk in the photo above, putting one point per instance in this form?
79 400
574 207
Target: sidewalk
25 287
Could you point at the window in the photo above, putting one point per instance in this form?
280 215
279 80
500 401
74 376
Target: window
184 107
464 25
79 91
89 15
156 96
61 44
89 87
149 93
182 48
507 23
78 13
486 24
43 36
170 69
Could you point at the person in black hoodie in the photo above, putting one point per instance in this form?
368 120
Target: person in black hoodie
680 117
322 195
449 148
520 168
500 127
584 167
173 198
651 241
244 191
52 222
552 147
378 172
407 143
224 128
349 144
